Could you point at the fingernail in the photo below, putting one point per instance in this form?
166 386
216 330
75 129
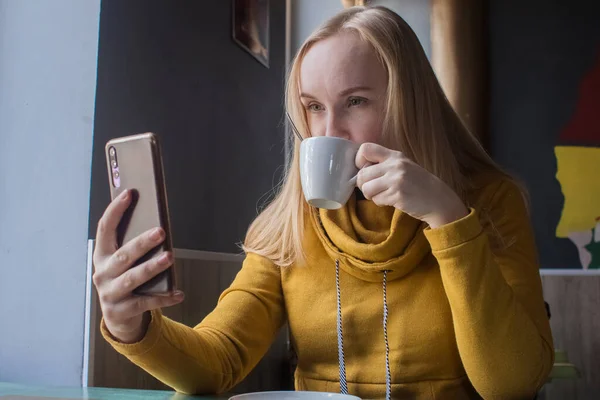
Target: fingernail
125 195
164 259
178 294
157 234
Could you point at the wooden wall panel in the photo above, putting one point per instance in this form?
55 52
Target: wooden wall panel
202 281
575 308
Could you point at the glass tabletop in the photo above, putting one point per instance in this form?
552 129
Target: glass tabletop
11 391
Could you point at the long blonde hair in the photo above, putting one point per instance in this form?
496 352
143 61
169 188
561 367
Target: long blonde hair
419 121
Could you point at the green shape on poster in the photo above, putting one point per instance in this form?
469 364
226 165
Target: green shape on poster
594 248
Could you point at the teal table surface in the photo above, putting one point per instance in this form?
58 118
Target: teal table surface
14 391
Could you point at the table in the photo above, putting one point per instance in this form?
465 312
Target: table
12 391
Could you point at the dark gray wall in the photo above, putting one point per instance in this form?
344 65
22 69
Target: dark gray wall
171 67
539 51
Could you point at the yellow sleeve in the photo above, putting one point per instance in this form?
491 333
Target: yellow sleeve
219 352
502 330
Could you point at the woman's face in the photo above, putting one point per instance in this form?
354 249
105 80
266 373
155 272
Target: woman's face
343 89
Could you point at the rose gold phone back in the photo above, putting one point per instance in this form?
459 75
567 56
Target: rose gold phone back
140 170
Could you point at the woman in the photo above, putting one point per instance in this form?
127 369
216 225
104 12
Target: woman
436 244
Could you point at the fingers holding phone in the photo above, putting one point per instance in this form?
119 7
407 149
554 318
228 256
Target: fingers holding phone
115 279
106 234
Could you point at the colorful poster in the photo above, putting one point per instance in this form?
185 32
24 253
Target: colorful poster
578 172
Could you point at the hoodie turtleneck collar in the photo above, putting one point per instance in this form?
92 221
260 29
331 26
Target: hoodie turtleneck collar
368 239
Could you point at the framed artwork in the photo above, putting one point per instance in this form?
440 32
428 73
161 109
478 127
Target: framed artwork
251 28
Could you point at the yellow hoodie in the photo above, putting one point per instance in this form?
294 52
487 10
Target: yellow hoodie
463 321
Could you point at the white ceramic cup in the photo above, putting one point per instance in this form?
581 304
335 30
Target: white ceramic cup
328 171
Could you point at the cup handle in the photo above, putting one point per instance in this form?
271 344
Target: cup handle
353 180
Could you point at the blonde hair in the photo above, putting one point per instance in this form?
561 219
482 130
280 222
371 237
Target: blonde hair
419 121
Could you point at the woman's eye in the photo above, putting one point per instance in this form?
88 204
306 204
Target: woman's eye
356 101
315 107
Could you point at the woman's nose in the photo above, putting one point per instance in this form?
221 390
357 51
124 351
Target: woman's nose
336 127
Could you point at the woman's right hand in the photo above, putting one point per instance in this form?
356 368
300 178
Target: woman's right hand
126 315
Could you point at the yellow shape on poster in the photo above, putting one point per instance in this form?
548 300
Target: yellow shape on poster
578 172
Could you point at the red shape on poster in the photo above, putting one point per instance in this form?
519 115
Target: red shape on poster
584 126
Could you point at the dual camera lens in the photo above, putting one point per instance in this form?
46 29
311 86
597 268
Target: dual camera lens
116 176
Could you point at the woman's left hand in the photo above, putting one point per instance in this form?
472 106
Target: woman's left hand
389 178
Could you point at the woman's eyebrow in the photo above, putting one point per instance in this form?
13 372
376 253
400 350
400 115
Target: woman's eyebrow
309 96
343 93
354 89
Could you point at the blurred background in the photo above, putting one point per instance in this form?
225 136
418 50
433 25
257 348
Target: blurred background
208 78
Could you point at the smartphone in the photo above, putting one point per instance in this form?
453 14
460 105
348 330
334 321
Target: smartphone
135 163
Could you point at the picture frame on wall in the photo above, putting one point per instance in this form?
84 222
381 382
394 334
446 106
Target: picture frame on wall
251 28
